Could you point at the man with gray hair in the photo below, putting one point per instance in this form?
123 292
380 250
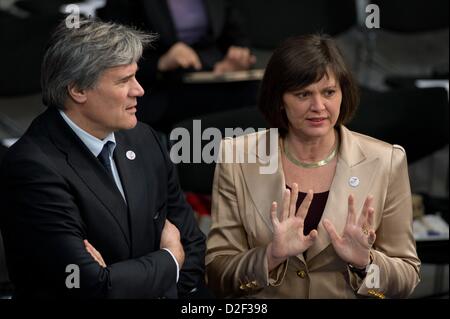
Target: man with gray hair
93 207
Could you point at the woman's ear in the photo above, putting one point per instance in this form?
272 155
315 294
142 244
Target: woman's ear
76 94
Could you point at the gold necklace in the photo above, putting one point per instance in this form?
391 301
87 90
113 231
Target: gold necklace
320 163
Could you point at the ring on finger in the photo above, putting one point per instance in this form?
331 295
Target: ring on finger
365 230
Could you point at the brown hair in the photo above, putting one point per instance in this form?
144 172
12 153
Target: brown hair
298 62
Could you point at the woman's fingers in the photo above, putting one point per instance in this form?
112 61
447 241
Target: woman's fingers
273 214
370 217
286 203
363 217
351 216
293 201
311 237
331 230
304 207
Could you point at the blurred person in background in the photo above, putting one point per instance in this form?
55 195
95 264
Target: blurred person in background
194 35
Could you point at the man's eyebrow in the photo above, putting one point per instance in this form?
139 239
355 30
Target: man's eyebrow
127 77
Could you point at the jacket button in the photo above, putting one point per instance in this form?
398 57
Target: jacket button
301 273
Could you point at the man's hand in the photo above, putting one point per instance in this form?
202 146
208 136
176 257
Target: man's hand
237 59
170 239
94 253
179 55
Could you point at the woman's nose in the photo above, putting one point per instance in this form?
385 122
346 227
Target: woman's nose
317 103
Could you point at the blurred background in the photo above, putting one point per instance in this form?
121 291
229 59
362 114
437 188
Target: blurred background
399 53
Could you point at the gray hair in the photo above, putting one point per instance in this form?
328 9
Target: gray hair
78 56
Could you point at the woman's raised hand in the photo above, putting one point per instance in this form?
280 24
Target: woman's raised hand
288 239
355 243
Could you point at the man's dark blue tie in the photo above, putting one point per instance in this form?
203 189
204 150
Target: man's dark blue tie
103 157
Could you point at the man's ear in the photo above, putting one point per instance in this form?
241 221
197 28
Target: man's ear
76 94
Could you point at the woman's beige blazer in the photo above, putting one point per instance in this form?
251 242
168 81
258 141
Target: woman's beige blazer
241 225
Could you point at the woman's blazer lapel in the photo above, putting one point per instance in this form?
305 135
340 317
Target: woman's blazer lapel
353 161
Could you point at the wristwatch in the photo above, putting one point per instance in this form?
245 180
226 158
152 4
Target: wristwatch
361 272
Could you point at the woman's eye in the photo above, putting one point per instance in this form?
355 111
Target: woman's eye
329 92
302 95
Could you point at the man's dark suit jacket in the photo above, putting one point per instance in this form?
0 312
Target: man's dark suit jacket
226 29
56 194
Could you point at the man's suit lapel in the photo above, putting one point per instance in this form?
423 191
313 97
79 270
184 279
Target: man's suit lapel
129 174
134 185
352 162
90 170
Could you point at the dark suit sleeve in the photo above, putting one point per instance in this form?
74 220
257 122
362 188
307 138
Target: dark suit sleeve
44 233
182 216
233 32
